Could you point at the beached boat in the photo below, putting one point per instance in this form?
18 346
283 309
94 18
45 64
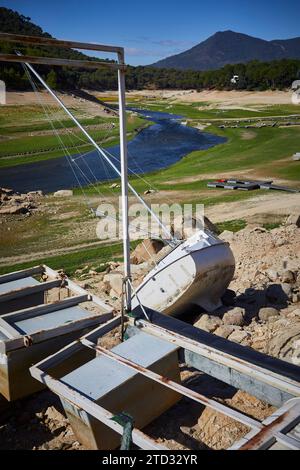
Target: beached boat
195 273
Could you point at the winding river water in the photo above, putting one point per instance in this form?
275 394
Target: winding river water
155 147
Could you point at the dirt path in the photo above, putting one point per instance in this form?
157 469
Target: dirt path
274 204
45 254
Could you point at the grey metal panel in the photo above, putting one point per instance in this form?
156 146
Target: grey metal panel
51 320
2 336
262 391
142 348
17 284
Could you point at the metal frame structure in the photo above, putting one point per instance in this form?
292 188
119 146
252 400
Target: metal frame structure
270 379
267 378
280 431
33 326
120 67
15 339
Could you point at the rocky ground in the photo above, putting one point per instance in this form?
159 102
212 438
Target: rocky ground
12 203
261 310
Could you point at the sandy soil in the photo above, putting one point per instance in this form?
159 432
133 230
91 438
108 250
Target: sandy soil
274 204
237 99
240 98
70 100
227 98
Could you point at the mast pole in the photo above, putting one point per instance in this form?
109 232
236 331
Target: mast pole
124 179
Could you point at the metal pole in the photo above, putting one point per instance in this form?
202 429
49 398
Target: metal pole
124 181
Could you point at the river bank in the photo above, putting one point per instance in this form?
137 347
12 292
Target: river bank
154 147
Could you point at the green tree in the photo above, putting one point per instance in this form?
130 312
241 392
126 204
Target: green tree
52 79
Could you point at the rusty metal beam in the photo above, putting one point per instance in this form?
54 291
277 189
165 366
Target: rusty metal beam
79 290
23 291
62 62
95 410
42 41
220 356
21 274
43 309
166 382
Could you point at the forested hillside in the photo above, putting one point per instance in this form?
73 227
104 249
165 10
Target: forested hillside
253 75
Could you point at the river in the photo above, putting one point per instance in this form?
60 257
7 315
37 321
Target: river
155 147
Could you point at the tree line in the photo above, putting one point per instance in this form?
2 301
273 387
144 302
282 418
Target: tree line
255 75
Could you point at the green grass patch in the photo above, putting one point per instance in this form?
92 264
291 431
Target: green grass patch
48 146
70 262
270 225
200 111
268 152
231 225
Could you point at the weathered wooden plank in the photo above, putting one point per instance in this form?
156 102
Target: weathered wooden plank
275 427
40 336
287 441
24 291
62 62
21 274
79 290
67 351
9 330
239 380
43 41
258 388
43 309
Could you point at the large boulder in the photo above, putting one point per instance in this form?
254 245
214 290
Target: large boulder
224 330
208 323
185 227
63 193
239 336
146 250
236 316
14 209
285 343
293 219
267 312
114 282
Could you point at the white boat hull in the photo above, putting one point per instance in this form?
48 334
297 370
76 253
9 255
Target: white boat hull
195 273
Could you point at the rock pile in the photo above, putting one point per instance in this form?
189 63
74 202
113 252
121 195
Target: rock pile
12 203
265 313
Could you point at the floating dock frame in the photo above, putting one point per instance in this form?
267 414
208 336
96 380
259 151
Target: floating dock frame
248 185
281 431
31 328
267 378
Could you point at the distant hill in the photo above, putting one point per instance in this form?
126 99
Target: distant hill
228 47
258 75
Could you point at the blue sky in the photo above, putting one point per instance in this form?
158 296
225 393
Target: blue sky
150 31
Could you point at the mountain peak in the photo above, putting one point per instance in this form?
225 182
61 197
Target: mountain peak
230 47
